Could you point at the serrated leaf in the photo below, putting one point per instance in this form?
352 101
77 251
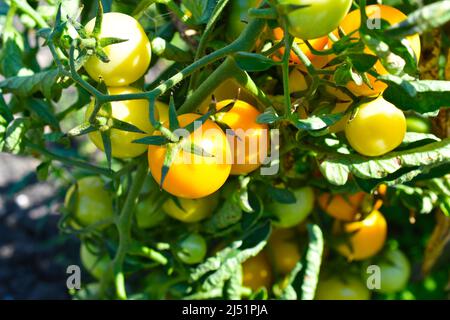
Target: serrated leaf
254 62
227 215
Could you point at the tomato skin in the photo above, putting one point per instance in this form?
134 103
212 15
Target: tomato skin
135 112
192 249
352 22
187 180
243 116
317 20
194 210
257 272
378 128
283 250
366 237
341 207
96 266
290 215
237 17
129 60
349 288
147 216
93 203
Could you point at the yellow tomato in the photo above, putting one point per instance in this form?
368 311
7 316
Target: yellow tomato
377 128
297 81
257 272
190 175
249 139
352 22
135 112
284 250
341 207
129 60
365 238
336 288
191 210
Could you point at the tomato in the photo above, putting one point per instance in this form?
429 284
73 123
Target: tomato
284 250
289 215
342 207
194 176
395 271
257 272
364 238
92 204
192 249
147 216
418 124
338 288
238 17
297 81
341 124
317 20
96 265
378 128
352 22
129 60
241 119
135 112
319 61
192 210
163 111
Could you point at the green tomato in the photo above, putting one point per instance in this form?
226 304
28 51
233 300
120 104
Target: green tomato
147 216
395 271
290 215
238 16
94 264
317 20
342 288
92 204
192 249
418 124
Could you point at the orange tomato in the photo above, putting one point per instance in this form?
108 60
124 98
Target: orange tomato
341 207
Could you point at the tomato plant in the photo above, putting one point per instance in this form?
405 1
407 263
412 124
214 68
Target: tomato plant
191 249
341 287
284 250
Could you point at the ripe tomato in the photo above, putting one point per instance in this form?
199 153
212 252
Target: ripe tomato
192 249
192 210
92 204
365 238
238 17
193 176
418 124
317 20
342 207
352 22
378 128
96 265
284 250
135 112
319 44
129 60
395 271
337 288
147 216
257 272
241 119
289 215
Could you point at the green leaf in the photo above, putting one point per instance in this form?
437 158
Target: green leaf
14 134
197 123
269 116
281 195
98 20
106 139
43 111
82 129
42 170
254 62
227 215
125 126
152 140
201 10
173 117
5 112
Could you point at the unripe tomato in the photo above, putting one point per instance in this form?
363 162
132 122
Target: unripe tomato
192 249
352 22
319 61
365 238
96 265
395 271
249 139
378 128
337 288
135 112
317 20
129 60
192 210
147 216
194 176
238 17
284 250
257 272
289 215
92 204
418 124
342 207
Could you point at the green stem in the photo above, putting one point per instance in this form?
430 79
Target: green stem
288 41
266 13
26 8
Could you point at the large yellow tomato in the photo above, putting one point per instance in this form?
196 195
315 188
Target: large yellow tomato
257 272
129 60
365 238
249 139
190 175
284 250
135 112
345 288
191 210
92 204
352 22
377 128
341 207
